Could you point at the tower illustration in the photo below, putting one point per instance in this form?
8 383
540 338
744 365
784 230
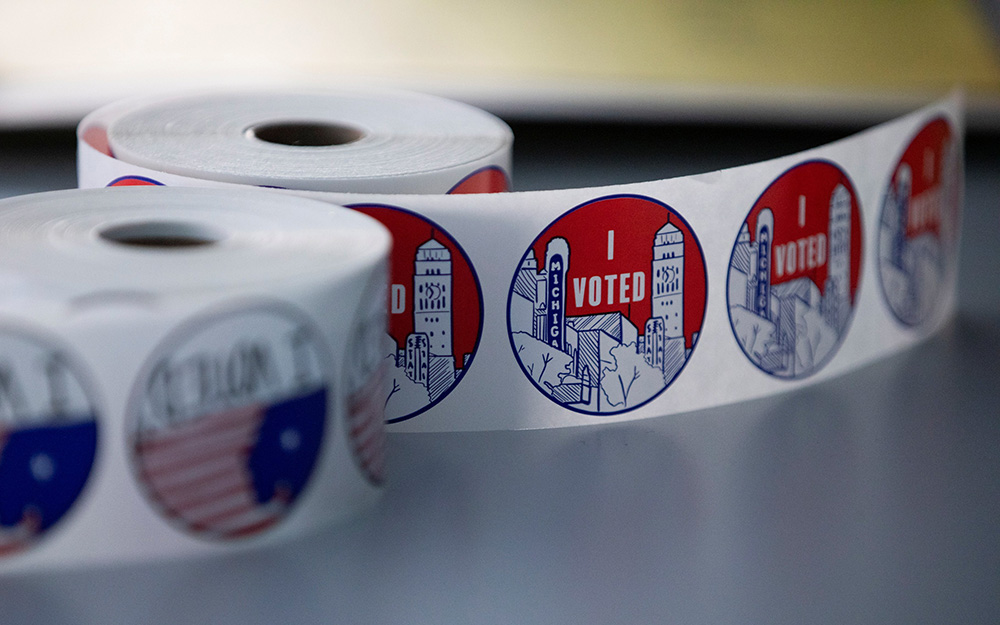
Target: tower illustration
668 279
432 296
663 343
836 294
901 193
556 266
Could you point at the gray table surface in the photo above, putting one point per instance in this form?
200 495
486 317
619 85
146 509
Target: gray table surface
871 498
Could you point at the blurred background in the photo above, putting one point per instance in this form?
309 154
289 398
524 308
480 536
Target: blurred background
807 61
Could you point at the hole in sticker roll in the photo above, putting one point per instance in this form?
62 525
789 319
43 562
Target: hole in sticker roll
305 134
162 234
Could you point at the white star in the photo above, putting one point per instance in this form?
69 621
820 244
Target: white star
42 467
290 439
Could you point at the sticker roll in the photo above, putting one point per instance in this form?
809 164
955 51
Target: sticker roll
592 305
388 142
171 382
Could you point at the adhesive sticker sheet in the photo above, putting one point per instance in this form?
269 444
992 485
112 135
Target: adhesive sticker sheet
170 381
592 305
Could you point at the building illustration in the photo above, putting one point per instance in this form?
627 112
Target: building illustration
601 362
425 364
790 328
836 304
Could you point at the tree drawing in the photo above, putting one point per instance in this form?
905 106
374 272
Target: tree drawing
544 363
626 378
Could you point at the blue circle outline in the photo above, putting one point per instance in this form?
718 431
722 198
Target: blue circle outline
916 325
510 293
479 294
857 290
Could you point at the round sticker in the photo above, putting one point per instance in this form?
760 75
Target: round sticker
435 312
228 417
794 271
48 437
919 223
607 304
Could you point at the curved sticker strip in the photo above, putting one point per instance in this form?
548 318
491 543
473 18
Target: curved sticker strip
809 308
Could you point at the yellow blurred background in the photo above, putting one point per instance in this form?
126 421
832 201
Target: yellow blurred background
807 60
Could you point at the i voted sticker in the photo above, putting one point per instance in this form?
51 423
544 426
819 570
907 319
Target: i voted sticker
794 270
919 224
607 303
227 420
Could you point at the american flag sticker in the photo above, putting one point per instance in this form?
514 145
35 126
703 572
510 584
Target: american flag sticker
229 419
48 438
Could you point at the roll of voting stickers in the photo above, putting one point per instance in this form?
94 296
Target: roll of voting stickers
180 371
